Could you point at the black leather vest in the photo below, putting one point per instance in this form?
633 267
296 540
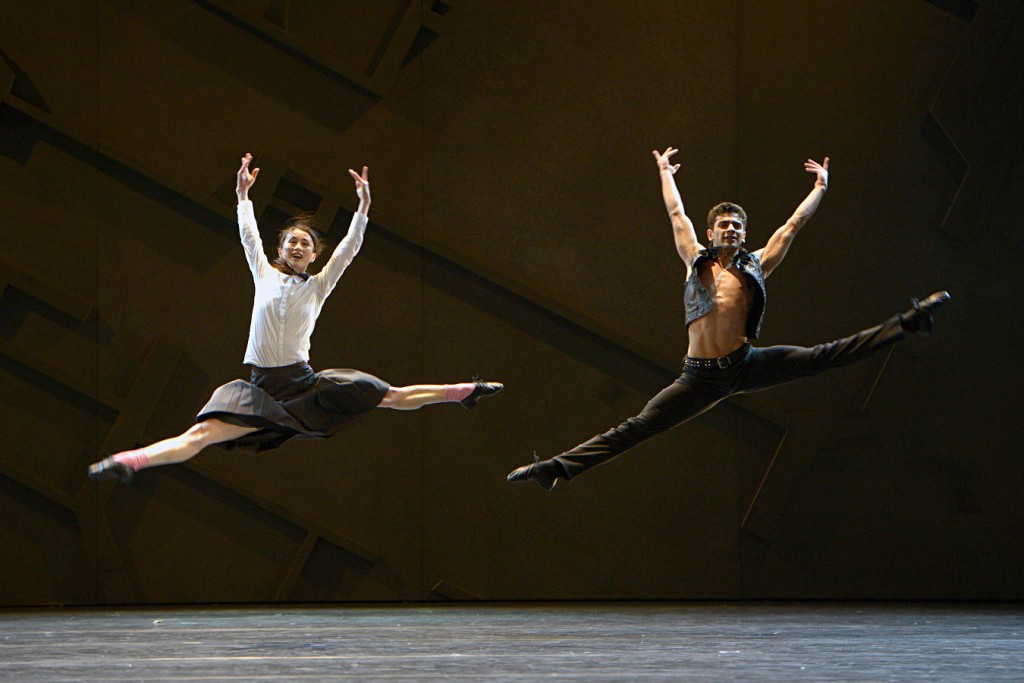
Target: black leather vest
698 299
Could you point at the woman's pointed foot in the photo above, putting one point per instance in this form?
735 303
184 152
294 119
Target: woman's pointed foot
480 390
108 468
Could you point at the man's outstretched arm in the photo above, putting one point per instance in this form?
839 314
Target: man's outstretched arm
682 226
778 245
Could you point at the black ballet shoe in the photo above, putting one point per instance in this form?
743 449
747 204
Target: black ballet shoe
108 468
481 390
545 474
920 319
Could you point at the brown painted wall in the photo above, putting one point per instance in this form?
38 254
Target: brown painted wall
518 233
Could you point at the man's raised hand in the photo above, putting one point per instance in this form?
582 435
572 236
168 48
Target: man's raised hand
821 170
662 159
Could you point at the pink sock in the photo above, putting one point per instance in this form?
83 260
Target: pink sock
136 459
457 392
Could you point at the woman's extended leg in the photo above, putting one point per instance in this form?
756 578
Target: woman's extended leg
169 451
418 395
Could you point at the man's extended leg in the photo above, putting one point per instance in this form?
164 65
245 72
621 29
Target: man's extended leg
687 397
774 365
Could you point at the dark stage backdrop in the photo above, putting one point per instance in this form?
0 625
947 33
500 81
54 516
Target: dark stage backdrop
517 233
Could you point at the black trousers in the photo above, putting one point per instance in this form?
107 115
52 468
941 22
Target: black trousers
698 389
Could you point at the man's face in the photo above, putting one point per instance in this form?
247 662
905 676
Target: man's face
297 250
728 231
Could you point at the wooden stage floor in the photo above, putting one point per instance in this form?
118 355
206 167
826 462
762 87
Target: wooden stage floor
521 642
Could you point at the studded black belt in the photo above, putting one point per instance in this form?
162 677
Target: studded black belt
720 363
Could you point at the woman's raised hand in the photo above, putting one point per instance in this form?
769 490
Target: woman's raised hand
245 178
362 188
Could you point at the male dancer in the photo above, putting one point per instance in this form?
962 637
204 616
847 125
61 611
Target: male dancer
725 299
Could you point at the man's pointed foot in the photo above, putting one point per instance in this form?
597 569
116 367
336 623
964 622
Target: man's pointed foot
481 390
920 318
544 473
108 468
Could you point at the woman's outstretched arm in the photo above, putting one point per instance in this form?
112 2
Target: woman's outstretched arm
247 230
349 247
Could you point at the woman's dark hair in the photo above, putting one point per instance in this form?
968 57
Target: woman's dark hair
301 222
726 209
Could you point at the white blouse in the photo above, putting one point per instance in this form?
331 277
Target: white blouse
286 307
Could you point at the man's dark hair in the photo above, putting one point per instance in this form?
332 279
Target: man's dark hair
726 209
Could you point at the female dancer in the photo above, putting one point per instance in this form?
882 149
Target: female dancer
285 399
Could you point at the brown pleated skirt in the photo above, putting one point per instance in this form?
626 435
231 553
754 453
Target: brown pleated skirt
293 402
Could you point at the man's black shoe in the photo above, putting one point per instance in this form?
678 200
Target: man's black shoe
544 473
108 468
921 318
481 390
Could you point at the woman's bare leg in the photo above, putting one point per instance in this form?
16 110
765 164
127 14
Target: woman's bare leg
169 451
413 397
187 445
416 396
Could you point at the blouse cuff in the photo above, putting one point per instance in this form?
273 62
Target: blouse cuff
245 209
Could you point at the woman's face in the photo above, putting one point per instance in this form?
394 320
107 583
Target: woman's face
297 249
